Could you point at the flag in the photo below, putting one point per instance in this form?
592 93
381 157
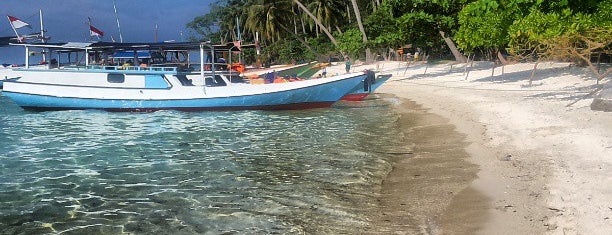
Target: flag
237 44
17 23
93 31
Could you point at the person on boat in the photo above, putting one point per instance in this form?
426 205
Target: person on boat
222 63
347 64
53 64
126 65
269 77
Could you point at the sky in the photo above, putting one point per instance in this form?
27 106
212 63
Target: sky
66 20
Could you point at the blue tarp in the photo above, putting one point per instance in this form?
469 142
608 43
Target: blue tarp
130 55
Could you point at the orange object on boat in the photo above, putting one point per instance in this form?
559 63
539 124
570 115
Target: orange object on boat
238 67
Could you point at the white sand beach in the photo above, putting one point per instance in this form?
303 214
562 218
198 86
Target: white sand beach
544 157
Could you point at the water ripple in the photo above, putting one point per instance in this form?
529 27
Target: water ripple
92 172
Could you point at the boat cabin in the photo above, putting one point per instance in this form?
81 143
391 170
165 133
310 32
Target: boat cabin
124 60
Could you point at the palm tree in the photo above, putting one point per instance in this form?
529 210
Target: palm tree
313 17
327 11
276 21
363 33
275 15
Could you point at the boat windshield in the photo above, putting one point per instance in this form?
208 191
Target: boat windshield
237 79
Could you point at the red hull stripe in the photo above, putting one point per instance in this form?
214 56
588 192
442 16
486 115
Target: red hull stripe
195 109
355 97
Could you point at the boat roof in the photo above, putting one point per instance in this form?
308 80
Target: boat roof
115 46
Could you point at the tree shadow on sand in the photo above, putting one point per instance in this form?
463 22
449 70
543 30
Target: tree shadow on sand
422 71
570 93
525 75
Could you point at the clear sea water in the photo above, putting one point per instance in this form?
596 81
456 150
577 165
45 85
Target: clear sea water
93 172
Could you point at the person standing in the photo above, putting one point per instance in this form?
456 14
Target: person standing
347 64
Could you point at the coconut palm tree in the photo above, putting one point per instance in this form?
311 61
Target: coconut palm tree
363 33
313 17
273 19
268 17
328 12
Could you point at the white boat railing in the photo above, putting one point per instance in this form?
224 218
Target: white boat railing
108 68
132 68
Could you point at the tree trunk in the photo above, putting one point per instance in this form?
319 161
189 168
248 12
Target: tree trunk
331 38
348 13
303 25
501 58
363 33
295 30
533 72
451 45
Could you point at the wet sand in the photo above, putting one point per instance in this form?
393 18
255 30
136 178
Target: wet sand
429 191
542 155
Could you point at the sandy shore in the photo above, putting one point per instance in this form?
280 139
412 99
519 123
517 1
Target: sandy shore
543 158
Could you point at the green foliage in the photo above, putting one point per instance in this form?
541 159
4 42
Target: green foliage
526 33
270 18
520 26
322 47
418 22
603 16
286 51
420 29
530 33
553 34
382 28
204 25
350 43
218 23
484 24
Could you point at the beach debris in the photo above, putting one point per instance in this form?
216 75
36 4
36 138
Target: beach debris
507 158
550 226
555 209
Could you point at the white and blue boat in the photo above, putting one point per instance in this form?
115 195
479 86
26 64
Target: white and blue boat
156 87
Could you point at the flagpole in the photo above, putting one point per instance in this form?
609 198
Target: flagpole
90 36
239 39
42 28
118 25
42 35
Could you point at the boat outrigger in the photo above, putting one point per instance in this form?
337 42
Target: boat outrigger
101 84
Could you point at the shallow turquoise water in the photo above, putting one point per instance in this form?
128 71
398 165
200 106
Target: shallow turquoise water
93 172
